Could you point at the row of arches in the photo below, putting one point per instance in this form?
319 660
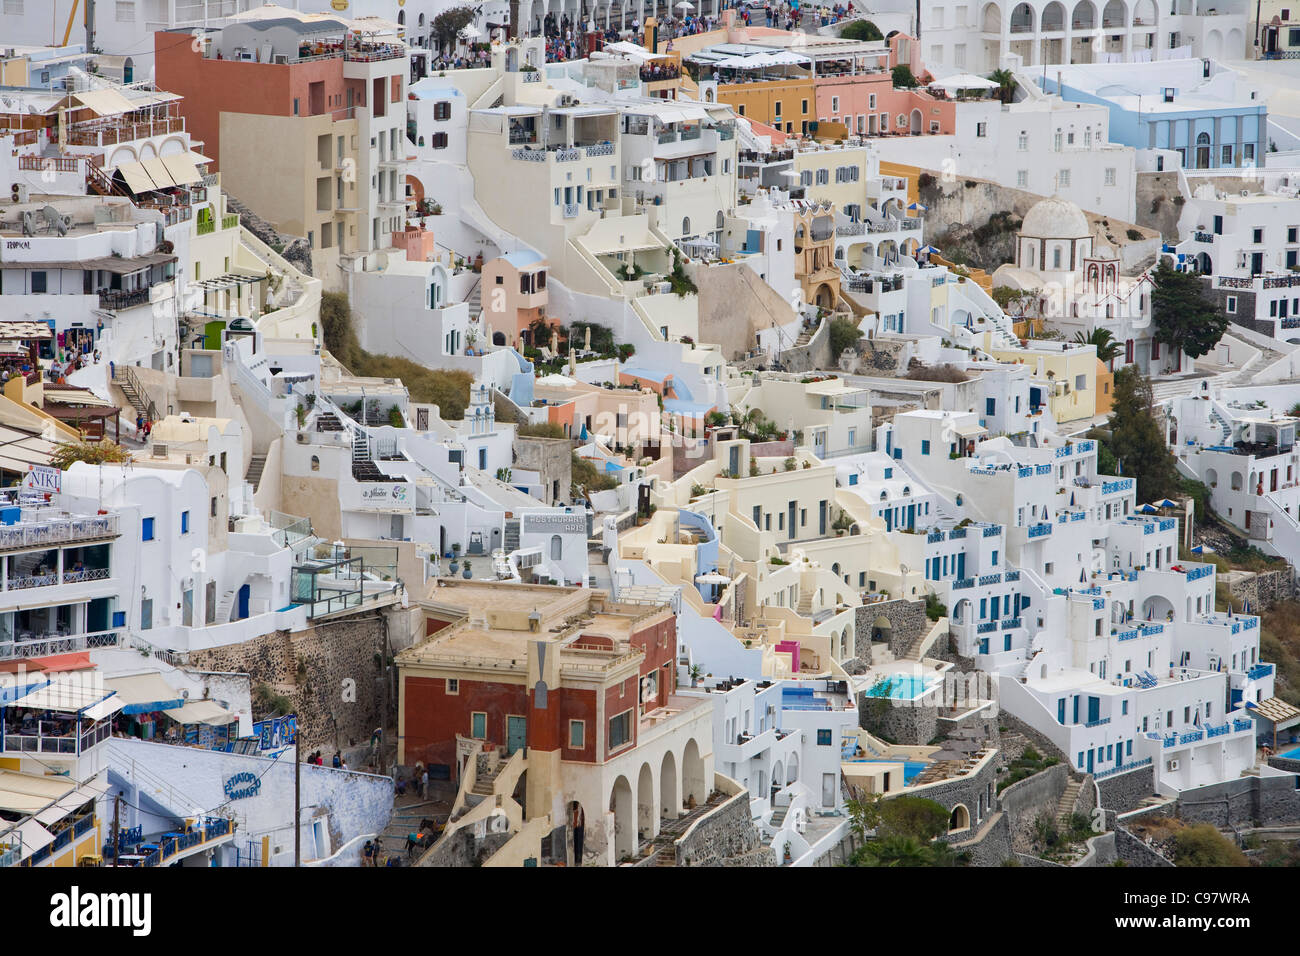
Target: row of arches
661 793
1083 15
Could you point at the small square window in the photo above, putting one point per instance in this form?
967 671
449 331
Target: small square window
823 738
453 685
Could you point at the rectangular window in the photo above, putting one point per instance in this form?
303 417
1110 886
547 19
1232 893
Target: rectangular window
39 283
453 686
577 734
146 529
1110 176
1063 179
1022 142
620 730
478 726
1230 305
925 446
823 738
185 522
1022 179
214 508
980 130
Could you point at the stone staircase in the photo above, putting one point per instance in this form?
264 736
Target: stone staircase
256 465
661 851
475 299
403 821
778 817
805 605
484 780
1065 806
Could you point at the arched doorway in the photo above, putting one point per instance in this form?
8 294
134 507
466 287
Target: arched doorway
694 787
670 800
778 778
881 630
620 804
792 770
647 820
915 124
959 819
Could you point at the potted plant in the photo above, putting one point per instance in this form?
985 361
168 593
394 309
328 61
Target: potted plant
695 673
468 572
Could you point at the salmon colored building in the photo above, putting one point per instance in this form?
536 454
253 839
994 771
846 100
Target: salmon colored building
546 697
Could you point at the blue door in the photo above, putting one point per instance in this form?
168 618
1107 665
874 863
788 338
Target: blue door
961 565
1060 711
516 733
1090 753
244 593
911 517
1094 709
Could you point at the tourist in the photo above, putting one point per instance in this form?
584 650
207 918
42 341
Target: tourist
337 762
578 821
424 784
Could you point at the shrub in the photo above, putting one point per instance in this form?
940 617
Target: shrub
91 452
934 608
903 78
862 30
936 373
1133 235
844 334
540 430
1202 845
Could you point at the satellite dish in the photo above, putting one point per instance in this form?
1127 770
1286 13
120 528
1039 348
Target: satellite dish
903 569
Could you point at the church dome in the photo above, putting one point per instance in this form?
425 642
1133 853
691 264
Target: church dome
1055 218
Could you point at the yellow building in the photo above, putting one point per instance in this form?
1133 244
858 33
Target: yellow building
1067 375
787 104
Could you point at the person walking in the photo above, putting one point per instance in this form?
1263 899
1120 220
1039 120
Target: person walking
579 822
337 762
424 784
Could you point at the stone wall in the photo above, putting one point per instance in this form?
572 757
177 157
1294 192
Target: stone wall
815 355
908 624
462 849
1261 801
1288 764
898 721
295 251
1044 746
971 791
1159 203
1263 589
725 834
991 846
551 458
330 673
1125 791
1134 852
1024 802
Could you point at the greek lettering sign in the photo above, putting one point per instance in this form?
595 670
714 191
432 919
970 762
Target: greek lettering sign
557 523
241 785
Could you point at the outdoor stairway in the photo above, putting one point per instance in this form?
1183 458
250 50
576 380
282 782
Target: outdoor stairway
403 821
805 606
805 336
661 851
778 817
124 381
511 543
667 856
475 299
253 476
483 781
1065 806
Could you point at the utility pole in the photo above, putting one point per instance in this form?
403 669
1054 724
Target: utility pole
117 839
297 804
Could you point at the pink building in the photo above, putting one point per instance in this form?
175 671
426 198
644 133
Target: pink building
417 242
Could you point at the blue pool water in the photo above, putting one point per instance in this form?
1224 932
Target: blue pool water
902 687
1291 754
910 768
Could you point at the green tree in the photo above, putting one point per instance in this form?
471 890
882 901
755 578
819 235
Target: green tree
894 850
903 78
540 430
914 817
450 22
1107 347
91 452
1202 845
1184 318
1136 440
1006 81
844 334
862 30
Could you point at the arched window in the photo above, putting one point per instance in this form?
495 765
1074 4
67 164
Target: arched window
315 463
686 225
421 141
557 547
719 219
1203 139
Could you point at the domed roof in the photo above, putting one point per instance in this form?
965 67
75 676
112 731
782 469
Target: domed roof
1055 218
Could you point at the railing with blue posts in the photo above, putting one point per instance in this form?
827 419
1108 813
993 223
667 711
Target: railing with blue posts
1101 722
1122 768
1258 671
1192 737
1217 731
1239 725
986 627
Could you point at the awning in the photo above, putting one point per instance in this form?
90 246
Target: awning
157 171
145 693
32 836
72 697
105 102
971 431
31 793
182 169
75 396
1276 711
17 329
69 803
202 712
137 180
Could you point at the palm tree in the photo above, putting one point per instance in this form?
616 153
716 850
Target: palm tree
1107 347
1006 81
896 850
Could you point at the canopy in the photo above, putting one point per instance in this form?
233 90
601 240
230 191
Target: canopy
105 102
157 171
182 169
1147 509
1165 503
965 81
145 693
916 206
201 712
685 5
70 696
137 180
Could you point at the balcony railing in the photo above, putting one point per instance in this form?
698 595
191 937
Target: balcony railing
600 149
46 646
57 531
230 221
1122 768
206 228
1098 723
114 299
571 210
124 132
1259 671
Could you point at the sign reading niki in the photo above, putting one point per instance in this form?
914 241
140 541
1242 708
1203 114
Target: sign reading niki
44 478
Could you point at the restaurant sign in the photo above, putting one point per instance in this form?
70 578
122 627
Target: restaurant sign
241 785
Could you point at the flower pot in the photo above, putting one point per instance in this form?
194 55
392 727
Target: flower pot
466 574
454 566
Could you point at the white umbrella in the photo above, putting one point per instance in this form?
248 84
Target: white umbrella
469 32
685 5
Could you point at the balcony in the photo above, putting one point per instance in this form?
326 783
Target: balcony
57 736
206 228
1259 671
571 210
115 299
230 221
31 531
45 646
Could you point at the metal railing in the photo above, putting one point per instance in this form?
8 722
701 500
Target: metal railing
57 531
43 647
116 299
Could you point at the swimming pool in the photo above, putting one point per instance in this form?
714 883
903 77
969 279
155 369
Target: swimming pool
1291 754
910 767
901 686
